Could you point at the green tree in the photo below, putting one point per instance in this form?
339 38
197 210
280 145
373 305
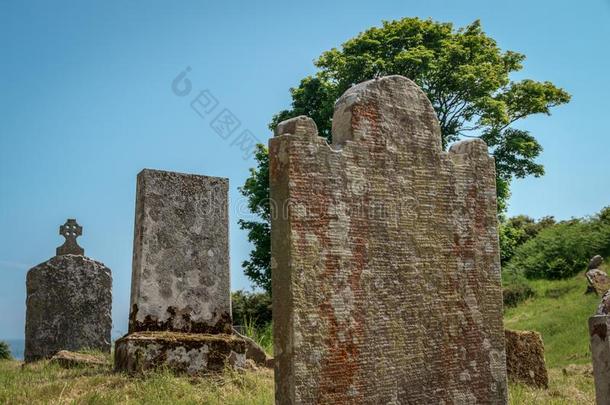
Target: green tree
562 249
5 351
517 230
466 77
256 189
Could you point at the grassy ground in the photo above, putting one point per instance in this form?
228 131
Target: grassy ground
45 383
559 311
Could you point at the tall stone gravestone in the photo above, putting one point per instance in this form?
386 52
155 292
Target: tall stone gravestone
385 259
180 293
599 332
69 301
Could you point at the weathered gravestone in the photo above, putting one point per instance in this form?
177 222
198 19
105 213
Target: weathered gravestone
386 270
180 293
69 301
598 280
525 358
599 332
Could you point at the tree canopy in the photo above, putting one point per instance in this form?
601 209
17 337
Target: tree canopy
465 75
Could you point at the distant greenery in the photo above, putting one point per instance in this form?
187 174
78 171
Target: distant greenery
517 230
5 351
515 289
560 250
559 311
263 335
251 309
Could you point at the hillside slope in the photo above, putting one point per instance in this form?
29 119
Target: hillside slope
559 311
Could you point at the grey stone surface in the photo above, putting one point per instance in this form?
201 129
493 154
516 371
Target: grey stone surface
598 281
180 275
254 352
70 230
595 262
180 294
68 359
604 305
190 353
360 229
599 328
69 302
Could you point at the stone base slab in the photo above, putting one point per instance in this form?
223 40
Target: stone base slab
525 358
190 353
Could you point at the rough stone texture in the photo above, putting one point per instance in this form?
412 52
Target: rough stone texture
525 358
68 359
599 328
254 352
595 262
191 353
180 276
604 305
180 294
598 281
69 302
386 271
70 230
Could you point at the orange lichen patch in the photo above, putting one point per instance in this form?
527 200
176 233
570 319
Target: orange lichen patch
386 267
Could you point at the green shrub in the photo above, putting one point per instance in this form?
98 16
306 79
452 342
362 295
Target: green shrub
517 230
251 308
5 351
563 249
515 289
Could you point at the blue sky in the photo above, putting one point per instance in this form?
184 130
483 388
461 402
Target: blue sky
86 101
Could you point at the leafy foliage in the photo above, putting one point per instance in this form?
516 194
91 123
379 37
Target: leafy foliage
563 249
517 230
251 309
256 190
261 334
464 74
5 351
515 289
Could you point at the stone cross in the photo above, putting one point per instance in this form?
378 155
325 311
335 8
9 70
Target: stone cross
69 301
70 230
385 258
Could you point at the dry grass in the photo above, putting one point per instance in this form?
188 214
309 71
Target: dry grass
569 385
45 383
559 312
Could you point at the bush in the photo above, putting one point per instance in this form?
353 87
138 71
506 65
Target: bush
5 351
515 289
563 249
251 308
517 230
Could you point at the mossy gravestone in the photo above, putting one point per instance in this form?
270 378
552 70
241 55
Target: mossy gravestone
385 258
180 293
69 301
